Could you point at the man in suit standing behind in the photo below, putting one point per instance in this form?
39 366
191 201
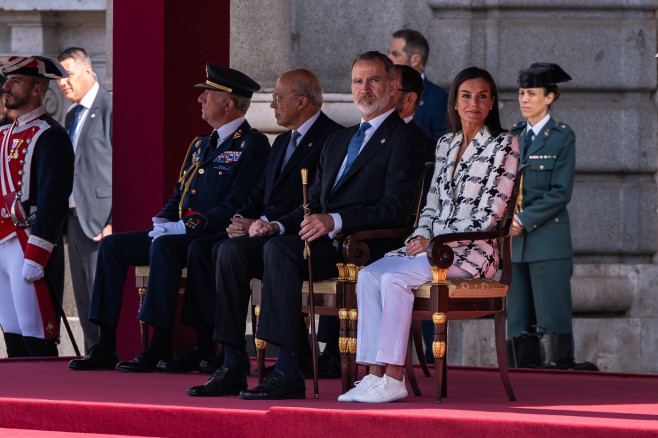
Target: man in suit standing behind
366 178
89 124
409 47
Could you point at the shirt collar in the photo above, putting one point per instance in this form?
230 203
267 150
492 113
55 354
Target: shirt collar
538 126
307 125
229 128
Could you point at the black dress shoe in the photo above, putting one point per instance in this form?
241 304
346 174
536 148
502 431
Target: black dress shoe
189 361
145 362
277 386
99 358
328 365
223 382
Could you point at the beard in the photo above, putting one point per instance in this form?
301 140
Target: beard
370 108
18 101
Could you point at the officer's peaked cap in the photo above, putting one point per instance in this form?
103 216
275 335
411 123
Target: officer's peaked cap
222 78
542 74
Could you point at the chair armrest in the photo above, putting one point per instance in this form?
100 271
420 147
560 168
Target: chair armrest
442 256
354 247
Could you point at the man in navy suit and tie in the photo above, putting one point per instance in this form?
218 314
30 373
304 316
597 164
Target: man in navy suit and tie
217 174
409 47
296 101
89 123
367 177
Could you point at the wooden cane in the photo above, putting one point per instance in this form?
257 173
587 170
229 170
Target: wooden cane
307 256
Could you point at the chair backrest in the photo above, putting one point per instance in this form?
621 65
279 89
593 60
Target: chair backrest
426 181
506 228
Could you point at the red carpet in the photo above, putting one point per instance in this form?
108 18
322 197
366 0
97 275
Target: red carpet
47 396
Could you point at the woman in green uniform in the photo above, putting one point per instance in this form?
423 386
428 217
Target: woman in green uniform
539 300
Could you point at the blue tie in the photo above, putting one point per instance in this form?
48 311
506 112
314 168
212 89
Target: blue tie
354 147
75 119
294 135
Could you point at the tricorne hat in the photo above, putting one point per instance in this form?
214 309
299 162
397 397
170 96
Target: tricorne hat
41 66
542 74
226 79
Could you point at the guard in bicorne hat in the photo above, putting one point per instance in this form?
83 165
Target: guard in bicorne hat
36 179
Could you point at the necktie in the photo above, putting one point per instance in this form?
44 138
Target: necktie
354 147
212 144
528 138
74 120
292 144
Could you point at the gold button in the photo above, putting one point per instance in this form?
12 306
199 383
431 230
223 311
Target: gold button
194 191
534 226
221 173
541 167
557 219
201 171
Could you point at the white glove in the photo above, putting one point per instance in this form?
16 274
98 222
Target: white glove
159 220
167 228
32 271
153 234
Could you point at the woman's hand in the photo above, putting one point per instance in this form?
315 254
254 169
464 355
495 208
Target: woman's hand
517 228
417 245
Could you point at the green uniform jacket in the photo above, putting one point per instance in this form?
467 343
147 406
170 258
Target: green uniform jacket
547 186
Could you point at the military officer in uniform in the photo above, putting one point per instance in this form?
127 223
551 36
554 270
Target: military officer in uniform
37 178
542 255
218 172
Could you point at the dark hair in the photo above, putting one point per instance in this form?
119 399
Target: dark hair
415 43
374 55
411 80
553 88
77 53
492 122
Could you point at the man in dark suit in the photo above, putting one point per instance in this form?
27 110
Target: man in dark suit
366 178
409 47
296 101
217 174
89 123
407 98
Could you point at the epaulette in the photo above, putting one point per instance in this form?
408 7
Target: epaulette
518 126
561 126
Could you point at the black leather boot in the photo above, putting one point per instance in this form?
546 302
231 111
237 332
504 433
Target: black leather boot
555 348
15 345
38 347
523 351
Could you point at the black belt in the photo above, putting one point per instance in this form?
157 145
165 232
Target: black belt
73 212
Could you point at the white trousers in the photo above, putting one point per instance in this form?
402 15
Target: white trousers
19 308
385 300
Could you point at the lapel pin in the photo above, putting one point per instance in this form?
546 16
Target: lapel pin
382 141
243 144
92 115
310 144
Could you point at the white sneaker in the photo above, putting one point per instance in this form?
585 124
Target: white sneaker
384 391
359 386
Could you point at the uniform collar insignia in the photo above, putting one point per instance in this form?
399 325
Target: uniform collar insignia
238 134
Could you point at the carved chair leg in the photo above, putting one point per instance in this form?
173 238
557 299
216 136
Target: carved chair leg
439 347
499 330
417 336
343 347
260 349
143 327
409 368
353 322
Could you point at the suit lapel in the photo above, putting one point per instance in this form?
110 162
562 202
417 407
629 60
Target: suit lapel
540 138
379 138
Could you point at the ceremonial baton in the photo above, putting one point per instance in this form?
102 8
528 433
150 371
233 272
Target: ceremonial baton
307 256
58 308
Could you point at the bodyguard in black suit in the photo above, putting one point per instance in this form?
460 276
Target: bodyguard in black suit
367 178
409 47
215 178
296 101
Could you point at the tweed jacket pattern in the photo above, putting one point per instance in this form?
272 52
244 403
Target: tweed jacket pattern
470 195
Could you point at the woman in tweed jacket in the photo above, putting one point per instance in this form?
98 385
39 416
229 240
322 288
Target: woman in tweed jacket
476 163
